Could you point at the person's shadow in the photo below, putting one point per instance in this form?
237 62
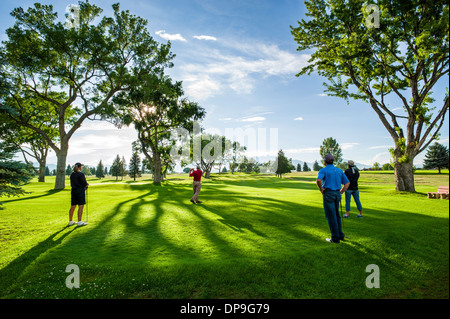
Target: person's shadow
10 273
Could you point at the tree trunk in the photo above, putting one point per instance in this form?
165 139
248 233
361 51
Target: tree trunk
60 182
404 177
41 172
157 174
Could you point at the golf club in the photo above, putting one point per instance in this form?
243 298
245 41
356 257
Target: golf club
342 218
87 201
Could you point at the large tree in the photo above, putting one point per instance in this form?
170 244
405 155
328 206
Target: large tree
157 107
391 56
73 68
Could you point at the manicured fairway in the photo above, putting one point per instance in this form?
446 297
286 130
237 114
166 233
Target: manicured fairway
252 237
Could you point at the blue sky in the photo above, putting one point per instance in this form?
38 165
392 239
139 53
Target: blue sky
238 60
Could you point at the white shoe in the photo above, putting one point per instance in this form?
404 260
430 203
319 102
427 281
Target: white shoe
331 240
71 223
82 224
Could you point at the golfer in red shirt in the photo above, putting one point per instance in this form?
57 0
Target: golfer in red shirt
197 174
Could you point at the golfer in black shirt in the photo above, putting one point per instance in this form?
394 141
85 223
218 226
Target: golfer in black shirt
353 175
79 185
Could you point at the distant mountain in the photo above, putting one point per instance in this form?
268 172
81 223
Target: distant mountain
359 165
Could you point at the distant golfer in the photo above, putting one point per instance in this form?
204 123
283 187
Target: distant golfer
78 197
329 181
353 175
197 184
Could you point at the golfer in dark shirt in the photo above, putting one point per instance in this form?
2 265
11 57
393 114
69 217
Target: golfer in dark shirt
353 175
329 181
79 185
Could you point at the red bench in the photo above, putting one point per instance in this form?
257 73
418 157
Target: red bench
441 193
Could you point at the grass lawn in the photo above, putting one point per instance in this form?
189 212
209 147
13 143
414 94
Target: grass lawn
252 237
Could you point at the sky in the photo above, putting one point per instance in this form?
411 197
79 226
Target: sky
239 61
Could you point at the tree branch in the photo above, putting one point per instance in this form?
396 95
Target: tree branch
421 146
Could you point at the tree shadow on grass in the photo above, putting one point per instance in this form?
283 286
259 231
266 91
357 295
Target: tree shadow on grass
11 273
140 232
26 197
272 182
137 230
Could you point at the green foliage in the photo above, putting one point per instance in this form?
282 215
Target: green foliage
437 156
13 174
316 166
86 170
248 166
331 146
100 170
306 167
376 166
283 164
123 167
134 168
115 167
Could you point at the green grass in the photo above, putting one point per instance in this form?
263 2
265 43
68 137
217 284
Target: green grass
253 237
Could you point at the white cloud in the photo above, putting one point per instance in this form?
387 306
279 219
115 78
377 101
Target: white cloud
171 37
97 126
322 94
205 37
201 86
298 119
381 158
347 146
254 119
307 150
89 146
380 147
238 66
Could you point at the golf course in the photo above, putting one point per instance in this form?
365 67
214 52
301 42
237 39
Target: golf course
253 236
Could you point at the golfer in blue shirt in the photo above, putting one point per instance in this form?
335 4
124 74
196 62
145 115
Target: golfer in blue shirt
329 181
